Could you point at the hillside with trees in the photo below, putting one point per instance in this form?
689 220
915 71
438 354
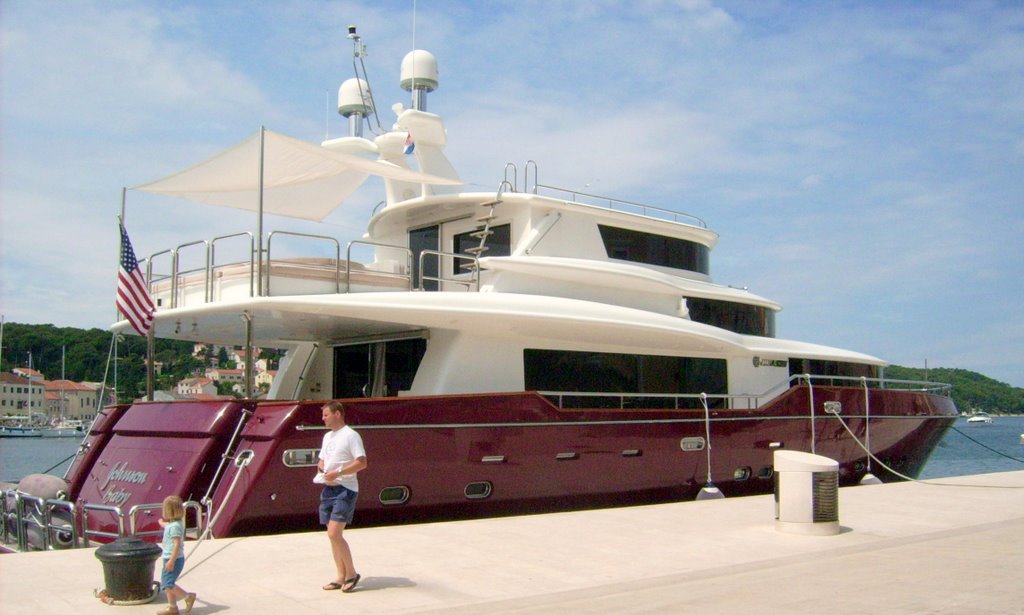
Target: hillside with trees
971 390
86 353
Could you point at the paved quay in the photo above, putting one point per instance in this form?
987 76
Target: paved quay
952 545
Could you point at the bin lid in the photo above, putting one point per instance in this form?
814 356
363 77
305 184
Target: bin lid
795 461
128 548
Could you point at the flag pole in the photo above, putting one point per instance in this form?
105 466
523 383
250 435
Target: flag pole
150 337
259 218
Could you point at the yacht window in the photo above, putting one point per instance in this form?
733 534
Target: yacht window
427 238
736 317
639 247
498 243
845 372
377 369
603 372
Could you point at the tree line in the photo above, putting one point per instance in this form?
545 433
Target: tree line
86 355
82 355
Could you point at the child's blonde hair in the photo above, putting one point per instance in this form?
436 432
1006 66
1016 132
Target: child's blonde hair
173 509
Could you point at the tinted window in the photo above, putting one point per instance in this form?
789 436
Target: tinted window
498 243
638 247
736 317
601 372
843 369
425 239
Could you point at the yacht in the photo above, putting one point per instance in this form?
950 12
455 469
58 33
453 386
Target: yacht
521 349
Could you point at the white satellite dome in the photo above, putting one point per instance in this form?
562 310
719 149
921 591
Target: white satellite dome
354 97
420 68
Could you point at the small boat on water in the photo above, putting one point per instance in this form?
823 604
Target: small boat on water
979 418
14 431
15 426
65 429
517 350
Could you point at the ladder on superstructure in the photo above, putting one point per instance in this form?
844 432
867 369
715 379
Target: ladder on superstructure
486 231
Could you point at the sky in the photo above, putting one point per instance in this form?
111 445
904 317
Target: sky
863 163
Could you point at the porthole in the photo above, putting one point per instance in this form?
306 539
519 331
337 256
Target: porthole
478 490
693 443
741 474
300 457
393 496
765 473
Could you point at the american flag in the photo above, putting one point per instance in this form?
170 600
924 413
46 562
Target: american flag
132 295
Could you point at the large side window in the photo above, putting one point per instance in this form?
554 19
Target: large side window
737 317
603 372
650 249
377 369
847 373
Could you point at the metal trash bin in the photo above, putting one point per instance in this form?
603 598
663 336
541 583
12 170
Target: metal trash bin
128 567
806 493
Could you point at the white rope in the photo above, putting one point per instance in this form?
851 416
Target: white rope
241 461
904 476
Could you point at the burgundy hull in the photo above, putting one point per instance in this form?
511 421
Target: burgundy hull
480 455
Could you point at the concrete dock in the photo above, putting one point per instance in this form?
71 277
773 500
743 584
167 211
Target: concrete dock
952 545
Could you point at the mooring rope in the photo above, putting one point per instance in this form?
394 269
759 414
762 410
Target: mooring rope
916 480
242 460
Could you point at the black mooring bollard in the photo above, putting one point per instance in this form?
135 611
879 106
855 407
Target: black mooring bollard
128 566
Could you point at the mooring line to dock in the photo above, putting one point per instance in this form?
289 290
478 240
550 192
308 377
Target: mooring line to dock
242 460
916 480
985 446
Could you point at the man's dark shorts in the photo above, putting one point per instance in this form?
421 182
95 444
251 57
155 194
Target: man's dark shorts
337 503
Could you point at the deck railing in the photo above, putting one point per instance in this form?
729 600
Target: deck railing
30 523
594 200
746 401
170 280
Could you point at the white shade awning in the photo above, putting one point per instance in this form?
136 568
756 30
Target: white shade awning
300 179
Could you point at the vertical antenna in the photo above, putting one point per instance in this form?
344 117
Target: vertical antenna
327 115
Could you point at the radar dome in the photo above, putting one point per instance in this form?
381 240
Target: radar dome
354 97
420 67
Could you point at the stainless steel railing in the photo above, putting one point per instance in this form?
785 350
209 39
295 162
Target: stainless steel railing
338 270
30 523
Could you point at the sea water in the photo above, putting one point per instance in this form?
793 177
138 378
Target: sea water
965 449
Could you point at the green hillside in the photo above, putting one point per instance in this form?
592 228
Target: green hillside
971 390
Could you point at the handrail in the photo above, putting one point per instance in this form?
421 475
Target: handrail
337 256
134 511
515 178
358 242
644 210
213 262
475 275
731 400
24 521
71 526
17 519
175 272
115 510
149 269
526 176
